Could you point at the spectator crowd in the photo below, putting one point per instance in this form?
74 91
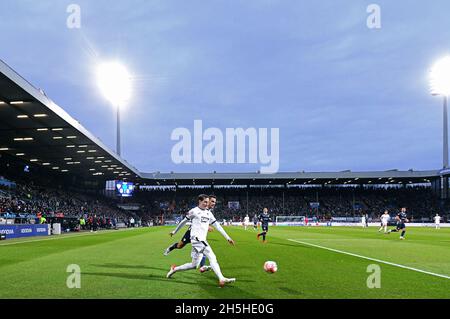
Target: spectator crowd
320 203
96 211
31 203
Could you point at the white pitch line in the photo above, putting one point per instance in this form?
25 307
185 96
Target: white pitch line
372 259
62 237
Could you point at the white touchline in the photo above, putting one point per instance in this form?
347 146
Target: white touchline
62 237
372 259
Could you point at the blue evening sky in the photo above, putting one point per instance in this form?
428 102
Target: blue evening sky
343 96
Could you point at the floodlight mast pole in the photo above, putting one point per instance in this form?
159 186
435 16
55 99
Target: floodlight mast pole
445 146
440 85
115 83
118 130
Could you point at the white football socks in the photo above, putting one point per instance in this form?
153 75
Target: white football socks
187 266
216 268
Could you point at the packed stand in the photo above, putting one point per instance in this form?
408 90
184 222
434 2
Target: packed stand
31 204
421 202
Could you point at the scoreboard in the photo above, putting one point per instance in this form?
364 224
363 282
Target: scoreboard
121 188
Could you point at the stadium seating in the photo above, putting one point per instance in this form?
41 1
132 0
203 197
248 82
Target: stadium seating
422 204
162 203
29 201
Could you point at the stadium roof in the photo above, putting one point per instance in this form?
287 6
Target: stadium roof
36 130
298 178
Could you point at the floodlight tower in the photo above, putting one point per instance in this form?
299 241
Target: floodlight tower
440 85
114 82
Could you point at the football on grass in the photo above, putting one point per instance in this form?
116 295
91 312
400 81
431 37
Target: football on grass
270 267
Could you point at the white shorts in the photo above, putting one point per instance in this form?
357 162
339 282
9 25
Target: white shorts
200 249
384 224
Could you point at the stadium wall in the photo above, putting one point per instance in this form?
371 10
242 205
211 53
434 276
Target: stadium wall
18 231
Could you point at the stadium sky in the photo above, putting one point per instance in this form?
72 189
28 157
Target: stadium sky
343 96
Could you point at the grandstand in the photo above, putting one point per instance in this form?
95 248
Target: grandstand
422 203
53 158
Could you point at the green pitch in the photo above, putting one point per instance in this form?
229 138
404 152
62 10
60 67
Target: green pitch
130 264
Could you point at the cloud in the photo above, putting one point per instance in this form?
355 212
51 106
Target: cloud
343 96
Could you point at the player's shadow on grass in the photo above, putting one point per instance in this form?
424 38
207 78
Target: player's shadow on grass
210 287
189 274
115 266
120 266
165 270
142 277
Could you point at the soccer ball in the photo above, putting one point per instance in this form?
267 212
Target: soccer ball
270 267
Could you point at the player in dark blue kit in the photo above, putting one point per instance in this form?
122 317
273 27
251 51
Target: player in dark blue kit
401 220
180 245
264 218
255 222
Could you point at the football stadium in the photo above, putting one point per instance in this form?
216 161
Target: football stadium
59 183
78 221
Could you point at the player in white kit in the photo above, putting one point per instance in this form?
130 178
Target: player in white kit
437 221
201 218
246 222
384 221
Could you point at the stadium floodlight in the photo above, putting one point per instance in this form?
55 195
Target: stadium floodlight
440 85
440 77
114 82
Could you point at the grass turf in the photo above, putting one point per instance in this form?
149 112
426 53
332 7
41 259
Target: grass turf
130 264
